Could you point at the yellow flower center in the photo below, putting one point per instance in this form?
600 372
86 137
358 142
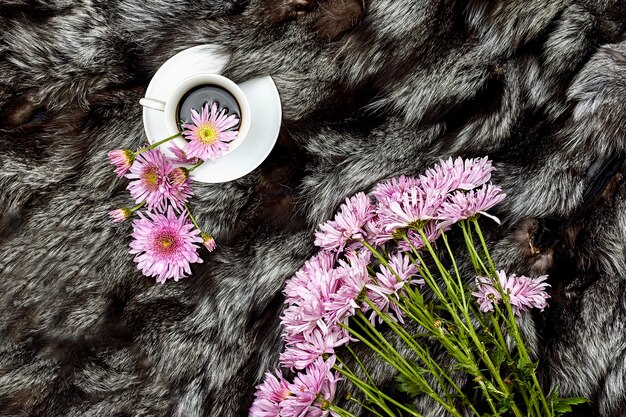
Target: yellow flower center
207 134
151 178
166 241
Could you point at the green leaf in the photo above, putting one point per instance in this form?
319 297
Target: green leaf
526 368
505 404
553 395
498 357
410 386
469 368
493 390
563 405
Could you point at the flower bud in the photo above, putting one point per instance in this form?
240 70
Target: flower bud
120 215
179 175
122 159
208 241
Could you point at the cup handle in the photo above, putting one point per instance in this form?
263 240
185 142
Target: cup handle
152 104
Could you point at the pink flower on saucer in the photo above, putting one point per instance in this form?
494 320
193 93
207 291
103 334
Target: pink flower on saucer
210 134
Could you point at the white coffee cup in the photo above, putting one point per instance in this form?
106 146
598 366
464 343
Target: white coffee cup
170 106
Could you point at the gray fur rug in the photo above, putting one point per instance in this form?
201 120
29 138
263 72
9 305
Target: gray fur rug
369 91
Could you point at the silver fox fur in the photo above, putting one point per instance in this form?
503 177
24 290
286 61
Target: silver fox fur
370 90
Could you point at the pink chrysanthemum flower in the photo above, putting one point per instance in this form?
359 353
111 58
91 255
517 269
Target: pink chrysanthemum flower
312 390
487 294
210 133
150 180
524 292
432 232
315 272
393 188
463 174
464 205
411 209
319 296
377 233
122 159
439 180
348 226
402 265
269 396
120 215
306 295
164 245
208 241
476 172
179 189
179 175
389 286
304 317
346 299
309 310
319 342
180 157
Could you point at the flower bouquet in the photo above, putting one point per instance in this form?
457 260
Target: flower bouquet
166 237
404 272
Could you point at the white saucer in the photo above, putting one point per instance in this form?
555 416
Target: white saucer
265 107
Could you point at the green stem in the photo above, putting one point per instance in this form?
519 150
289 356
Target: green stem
368 390
402 365
371 391
426 274
195 166
340 411
484 245
524 353
478 263
447 278
433 366
407 339
137 207
363 368
398 362
370 409
503 346
469 244
460 357
154 145
193 219
442 270
490 366
363 322
456 269
450 307
488 398
470 329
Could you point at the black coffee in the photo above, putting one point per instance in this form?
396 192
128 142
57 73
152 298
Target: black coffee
207 94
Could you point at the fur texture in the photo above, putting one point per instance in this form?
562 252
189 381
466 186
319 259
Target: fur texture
370 90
